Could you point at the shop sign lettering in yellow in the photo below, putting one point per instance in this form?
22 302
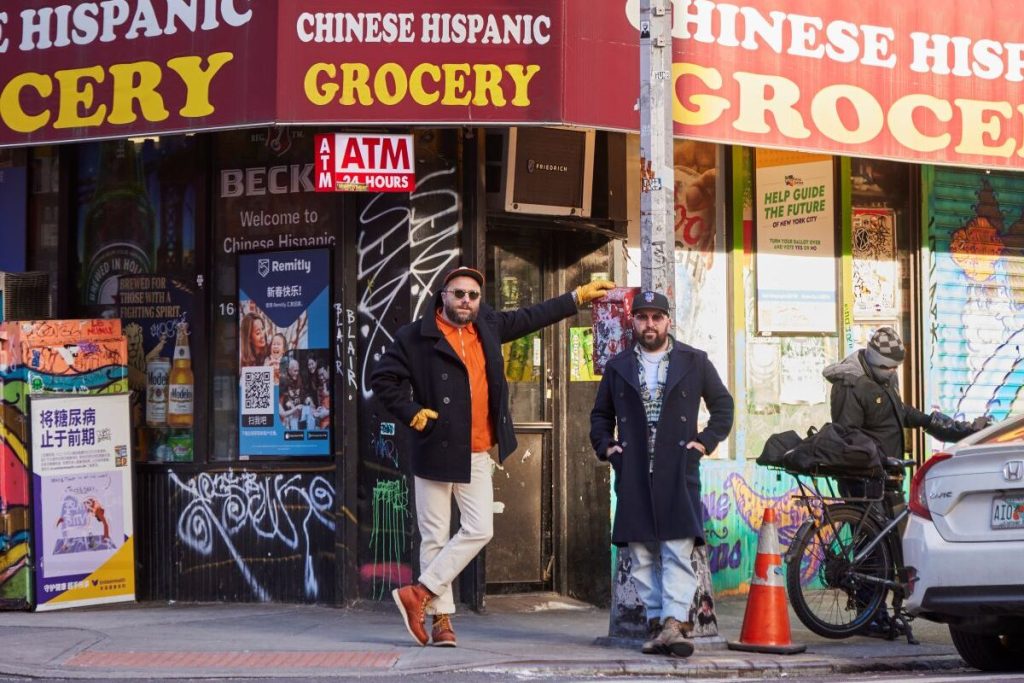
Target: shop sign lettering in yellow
391 65
853 78
122 67
69 98
425 84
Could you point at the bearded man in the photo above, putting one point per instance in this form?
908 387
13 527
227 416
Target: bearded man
444 376
644 423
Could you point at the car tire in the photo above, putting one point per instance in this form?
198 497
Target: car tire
989 651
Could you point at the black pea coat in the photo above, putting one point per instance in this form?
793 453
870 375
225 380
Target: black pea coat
665 505
420 370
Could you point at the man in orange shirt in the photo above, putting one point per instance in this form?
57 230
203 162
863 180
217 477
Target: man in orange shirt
459 408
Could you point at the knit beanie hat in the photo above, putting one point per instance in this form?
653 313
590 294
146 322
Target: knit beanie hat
886 343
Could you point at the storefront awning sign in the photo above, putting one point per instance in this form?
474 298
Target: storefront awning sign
932 82
364 163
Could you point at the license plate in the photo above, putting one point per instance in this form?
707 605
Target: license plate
1008 513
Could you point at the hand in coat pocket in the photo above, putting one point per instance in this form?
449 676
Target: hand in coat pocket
614 455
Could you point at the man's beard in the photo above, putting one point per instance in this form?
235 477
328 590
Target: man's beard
657 341
460 316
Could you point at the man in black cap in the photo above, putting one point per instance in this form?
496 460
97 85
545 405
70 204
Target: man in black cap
444 376
865 395
644 423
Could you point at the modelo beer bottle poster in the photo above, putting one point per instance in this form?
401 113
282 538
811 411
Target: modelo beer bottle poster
284 353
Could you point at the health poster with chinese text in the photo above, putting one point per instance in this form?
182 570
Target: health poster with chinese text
82 500
284 353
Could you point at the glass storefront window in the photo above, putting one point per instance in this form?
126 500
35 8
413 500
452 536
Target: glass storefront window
139 217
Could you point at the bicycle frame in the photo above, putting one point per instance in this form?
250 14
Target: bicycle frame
881 509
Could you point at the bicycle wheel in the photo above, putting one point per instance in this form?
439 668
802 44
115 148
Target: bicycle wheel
827 586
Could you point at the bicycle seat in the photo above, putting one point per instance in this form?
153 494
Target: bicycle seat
895 464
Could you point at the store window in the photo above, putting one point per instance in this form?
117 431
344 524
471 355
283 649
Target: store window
140 216
276 243
821 277
44 216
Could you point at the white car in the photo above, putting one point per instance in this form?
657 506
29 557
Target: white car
964 543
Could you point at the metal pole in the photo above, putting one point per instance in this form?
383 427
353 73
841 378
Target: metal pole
657 272
657 209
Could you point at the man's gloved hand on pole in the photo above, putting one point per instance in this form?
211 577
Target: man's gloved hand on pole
593 290
419 420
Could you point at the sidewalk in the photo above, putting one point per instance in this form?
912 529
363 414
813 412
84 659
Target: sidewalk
154 640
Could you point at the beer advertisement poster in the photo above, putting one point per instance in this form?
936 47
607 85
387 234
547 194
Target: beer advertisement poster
138 204
156 312
284 353
81 483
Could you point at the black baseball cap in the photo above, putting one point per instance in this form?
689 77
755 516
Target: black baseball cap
649 299
465 271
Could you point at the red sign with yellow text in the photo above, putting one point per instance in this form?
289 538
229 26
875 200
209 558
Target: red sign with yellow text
407 62
937 82
132 67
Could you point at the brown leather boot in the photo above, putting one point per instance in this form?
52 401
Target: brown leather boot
443 635
650 646
412 602
674 638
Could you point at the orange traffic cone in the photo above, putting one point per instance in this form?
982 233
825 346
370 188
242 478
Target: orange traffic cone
766 621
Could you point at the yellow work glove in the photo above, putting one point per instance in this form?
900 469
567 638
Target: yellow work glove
419 420
592 290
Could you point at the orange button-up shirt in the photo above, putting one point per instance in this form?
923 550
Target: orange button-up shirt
467 344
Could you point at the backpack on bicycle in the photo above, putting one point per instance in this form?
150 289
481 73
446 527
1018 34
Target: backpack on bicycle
832 450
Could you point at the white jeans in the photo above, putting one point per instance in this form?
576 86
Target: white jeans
664 577
443 556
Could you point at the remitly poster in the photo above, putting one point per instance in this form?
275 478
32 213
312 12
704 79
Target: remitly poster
284 356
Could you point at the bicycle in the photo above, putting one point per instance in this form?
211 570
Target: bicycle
848 555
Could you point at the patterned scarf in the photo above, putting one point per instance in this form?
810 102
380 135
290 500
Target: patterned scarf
652 397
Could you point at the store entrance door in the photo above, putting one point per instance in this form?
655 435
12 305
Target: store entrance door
520 557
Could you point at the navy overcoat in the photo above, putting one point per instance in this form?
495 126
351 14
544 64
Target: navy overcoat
663 505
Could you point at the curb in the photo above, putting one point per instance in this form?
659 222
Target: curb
665 666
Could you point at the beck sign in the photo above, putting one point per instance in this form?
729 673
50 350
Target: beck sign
364 163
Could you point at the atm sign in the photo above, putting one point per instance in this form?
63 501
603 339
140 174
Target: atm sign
364 163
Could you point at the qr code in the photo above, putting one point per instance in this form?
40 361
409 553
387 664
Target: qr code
257 390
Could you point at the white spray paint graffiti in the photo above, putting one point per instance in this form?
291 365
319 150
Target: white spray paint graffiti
229 504
428 228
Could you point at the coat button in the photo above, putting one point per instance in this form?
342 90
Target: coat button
683 418
446 400
444 375
625 443
682 443
444 444
621 394
623 419
683 394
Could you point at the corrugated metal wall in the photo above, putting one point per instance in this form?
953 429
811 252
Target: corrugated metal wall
236 535
975 288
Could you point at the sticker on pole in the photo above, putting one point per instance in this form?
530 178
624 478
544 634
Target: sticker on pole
348 162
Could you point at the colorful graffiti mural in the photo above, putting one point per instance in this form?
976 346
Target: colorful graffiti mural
975 292
36 358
